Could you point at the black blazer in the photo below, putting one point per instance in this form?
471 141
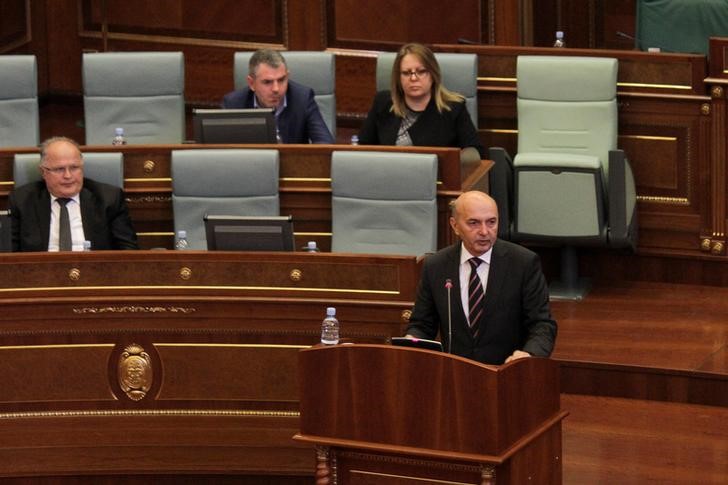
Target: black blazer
452 128
300 122
105 216
517 314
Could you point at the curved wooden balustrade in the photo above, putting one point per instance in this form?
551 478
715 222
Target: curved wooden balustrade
132 362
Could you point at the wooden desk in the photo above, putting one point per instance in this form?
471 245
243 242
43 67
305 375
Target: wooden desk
305 186
429 417
135 362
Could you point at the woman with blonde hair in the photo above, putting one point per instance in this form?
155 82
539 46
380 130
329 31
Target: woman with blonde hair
419 110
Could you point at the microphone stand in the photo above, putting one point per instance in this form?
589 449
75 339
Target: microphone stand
448 285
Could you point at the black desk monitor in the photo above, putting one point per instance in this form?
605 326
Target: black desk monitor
5 232
237 233
234 125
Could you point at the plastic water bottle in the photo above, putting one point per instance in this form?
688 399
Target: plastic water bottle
181 240
87 245
330 328
118 137
311 247
354 139
559 42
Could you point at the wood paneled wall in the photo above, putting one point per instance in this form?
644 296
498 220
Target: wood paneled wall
672 114
58 31
14 28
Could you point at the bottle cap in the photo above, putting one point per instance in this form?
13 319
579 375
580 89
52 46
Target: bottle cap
330 311
119 131
182 234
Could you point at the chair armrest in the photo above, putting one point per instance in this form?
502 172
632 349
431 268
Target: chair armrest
622 202
501 188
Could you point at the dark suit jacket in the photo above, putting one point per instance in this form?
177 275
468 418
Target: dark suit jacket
300 122
104 213
517 315
452 128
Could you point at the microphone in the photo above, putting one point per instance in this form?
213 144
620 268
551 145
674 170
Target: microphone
463 40
639 42
624 35
448 286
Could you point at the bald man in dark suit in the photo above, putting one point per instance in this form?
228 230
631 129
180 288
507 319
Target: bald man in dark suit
509 317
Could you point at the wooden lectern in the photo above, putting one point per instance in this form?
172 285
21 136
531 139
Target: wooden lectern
392 415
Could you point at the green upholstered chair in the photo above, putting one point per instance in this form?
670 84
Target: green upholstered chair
19 124
317 70
571 185
141 92
235 182
459 74
383 202
106 167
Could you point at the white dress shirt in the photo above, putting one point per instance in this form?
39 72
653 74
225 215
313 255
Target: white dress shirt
74 215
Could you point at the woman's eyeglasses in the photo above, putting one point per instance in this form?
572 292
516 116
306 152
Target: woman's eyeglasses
417 73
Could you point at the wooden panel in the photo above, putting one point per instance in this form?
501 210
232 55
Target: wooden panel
64 47
617 19
15 29
719 57
227 20
207 34
506 23
383 24
586 23
355 87
106 373
53 380
666 144
349 406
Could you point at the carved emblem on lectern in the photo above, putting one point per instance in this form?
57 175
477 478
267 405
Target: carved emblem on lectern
135 372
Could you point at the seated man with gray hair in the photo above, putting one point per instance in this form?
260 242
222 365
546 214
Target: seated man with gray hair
64 210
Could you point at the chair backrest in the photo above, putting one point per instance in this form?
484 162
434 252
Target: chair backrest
19 124
234 182
383 202
567 105
459 74
141 92
316 70
567 127
106 167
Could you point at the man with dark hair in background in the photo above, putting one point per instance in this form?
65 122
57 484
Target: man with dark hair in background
298 118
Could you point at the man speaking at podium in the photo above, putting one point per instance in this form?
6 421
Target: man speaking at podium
487 299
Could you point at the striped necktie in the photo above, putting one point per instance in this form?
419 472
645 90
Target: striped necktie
476 295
